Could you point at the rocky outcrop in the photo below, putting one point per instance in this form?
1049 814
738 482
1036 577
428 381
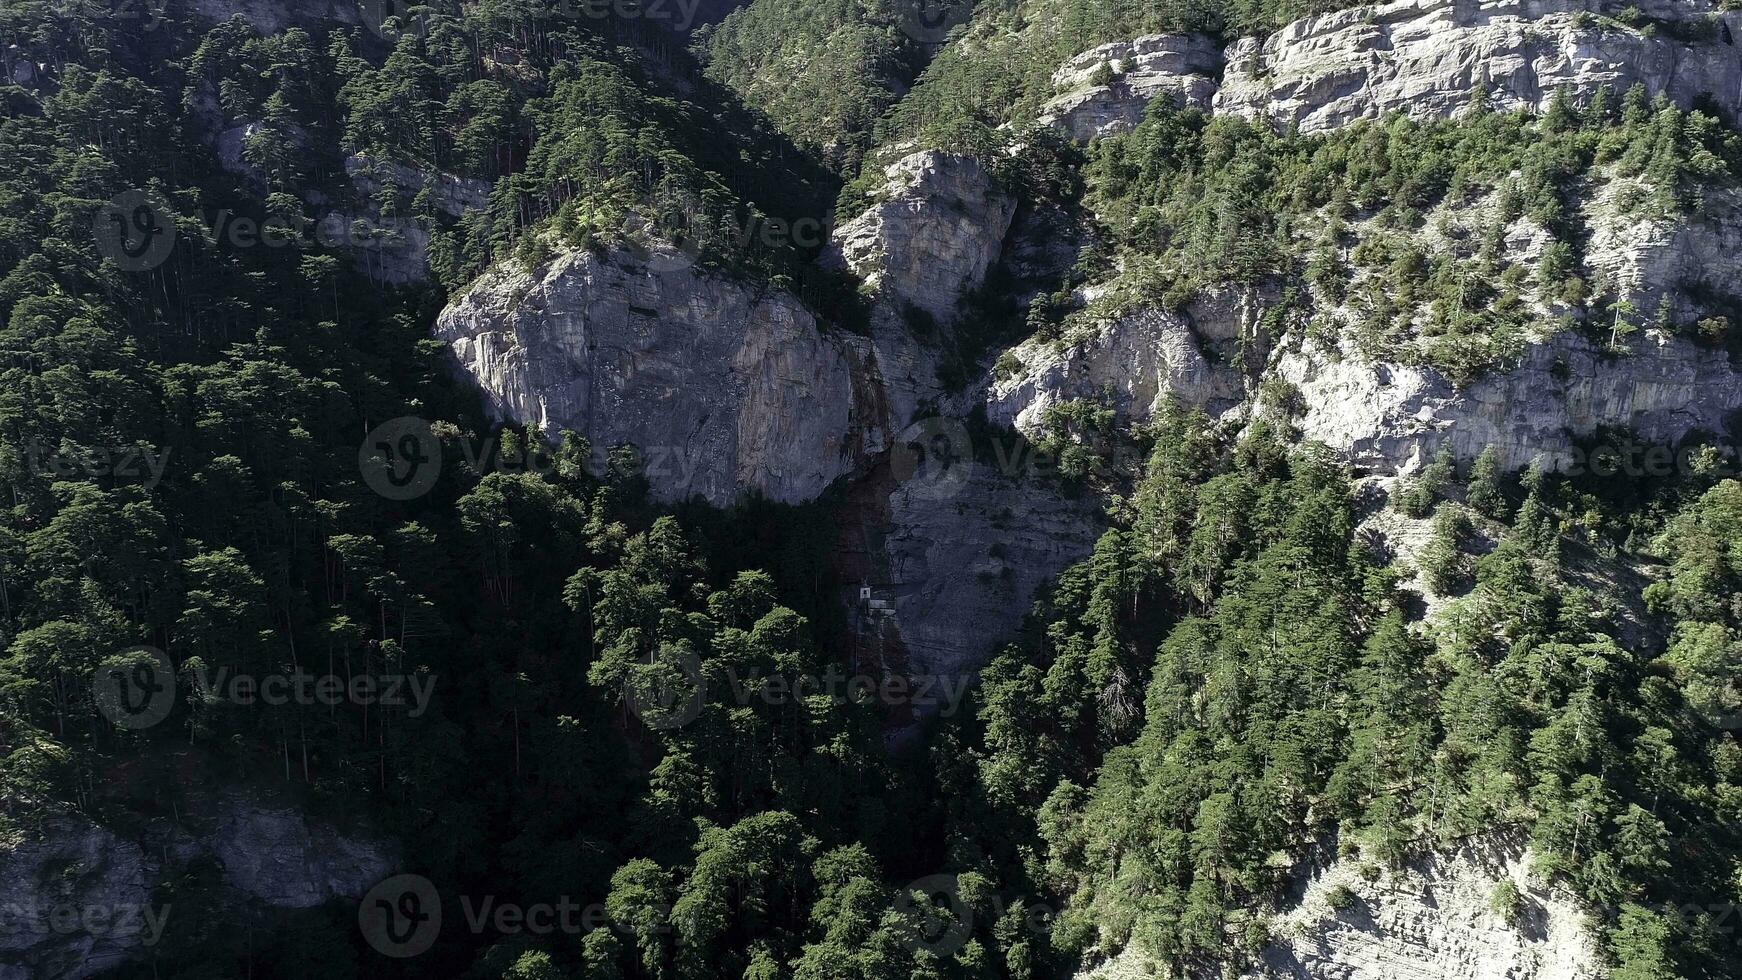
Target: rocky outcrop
1435 919
1381 401
1106 90
963 533
276 855
1393 418
451 195
1136 360
726 387
1427 57
933 234
938 226
964 568
80 899
722 387
75 897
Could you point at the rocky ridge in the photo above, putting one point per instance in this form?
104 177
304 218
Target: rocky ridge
1384 403
1426 58
1185 68
722 387
1432 920
728 389
725 388
81 898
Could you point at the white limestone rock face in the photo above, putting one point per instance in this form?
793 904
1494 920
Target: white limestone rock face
1386 408
1184 68
1394 418
1135 363
1432 920
723 388
1425 57
937 229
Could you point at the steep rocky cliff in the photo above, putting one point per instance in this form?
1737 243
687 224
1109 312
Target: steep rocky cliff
1434 919
81 898
1426 58
1105 90
936 228
1384 403
725 388
722 387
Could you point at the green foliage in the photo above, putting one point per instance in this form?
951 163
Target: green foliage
1506 902
1219 201
823 70
1418 499
1486 492
1442 559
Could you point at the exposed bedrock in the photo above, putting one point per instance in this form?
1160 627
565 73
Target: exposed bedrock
1433 919
81 898
722 387
1107 89
1422 57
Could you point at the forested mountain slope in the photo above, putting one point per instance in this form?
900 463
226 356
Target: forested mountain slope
1200 488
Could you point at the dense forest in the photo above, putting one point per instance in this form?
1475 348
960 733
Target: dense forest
1238 678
